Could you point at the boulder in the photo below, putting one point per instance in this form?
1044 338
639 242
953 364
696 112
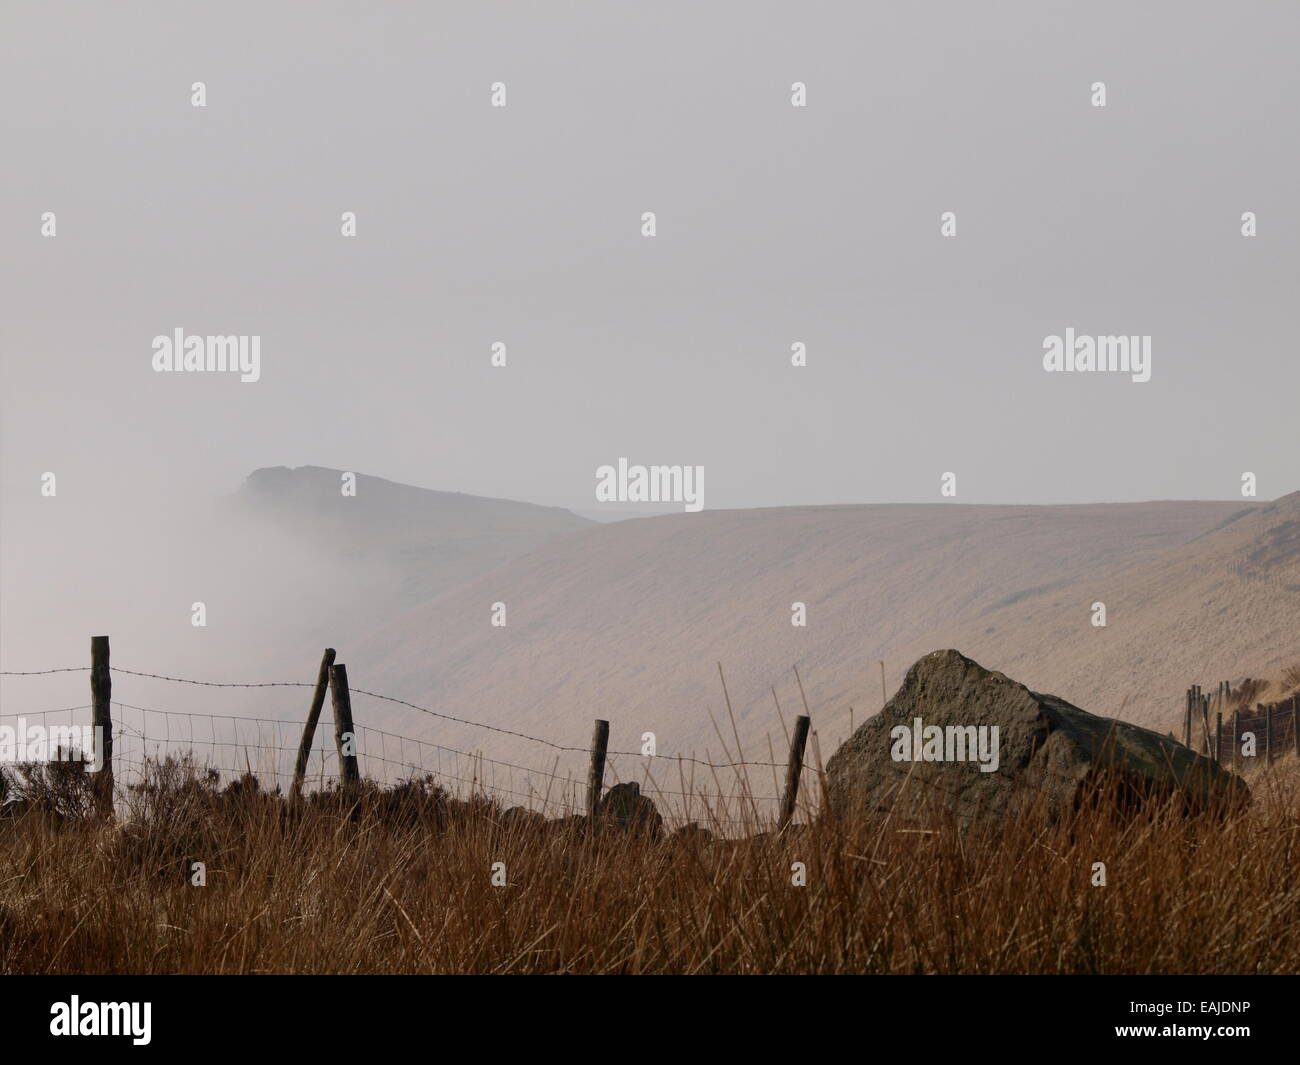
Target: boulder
625 806
959 738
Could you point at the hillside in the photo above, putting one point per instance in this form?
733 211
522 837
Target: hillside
628 621
430 539
1223 606
330 568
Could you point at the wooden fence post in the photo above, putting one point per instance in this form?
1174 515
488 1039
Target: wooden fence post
793 768
101 699
827 810
1268 733
1236 739
1218 737
1187 722
1205 718
596 772
1295 723
313 715
345 736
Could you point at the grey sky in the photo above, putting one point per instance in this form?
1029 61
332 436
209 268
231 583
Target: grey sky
775 225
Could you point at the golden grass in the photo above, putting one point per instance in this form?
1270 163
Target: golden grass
404 886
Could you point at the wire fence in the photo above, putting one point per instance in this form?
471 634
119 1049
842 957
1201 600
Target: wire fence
731 795
1224 727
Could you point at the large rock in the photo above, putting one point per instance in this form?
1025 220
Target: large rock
1047 751
624 805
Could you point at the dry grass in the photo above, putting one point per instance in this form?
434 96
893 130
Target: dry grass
1248 693
403 885
1290 680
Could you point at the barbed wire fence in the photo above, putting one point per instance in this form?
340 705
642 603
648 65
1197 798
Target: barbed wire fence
731 796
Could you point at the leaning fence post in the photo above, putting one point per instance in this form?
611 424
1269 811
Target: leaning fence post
345 738
596 772
101 699
793 768
313 715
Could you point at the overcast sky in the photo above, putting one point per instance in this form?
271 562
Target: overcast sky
775 225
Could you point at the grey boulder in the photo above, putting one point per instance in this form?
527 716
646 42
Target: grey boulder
969 742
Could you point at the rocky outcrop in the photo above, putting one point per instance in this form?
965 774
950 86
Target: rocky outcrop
958 738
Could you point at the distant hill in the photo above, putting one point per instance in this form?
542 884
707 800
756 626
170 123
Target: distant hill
627 621
427 541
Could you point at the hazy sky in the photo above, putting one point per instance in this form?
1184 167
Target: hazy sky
775 224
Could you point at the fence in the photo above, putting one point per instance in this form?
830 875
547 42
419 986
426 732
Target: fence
1272 728
297 756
